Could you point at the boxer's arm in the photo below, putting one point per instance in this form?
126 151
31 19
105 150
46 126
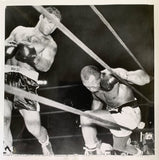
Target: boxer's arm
44 60
138 77
96 105
10 43
11 40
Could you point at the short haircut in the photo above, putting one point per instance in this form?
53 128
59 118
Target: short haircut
89 70
54 11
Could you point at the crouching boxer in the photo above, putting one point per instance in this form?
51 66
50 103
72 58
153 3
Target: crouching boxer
28 50
120 107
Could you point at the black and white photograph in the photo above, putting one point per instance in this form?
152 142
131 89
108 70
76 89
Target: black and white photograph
79 80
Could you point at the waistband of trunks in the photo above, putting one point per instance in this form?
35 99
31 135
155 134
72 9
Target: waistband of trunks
28 73
133 104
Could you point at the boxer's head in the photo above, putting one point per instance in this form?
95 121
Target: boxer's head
54 11
90 76
47 26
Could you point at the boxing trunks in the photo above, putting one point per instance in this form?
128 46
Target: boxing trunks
127 115
24 79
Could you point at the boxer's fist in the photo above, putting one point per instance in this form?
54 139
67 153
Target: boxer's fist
108 82
26 53
10 49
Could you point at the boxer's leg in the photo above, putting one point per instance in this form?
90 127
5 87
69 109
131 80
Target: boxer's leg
8 140
33 124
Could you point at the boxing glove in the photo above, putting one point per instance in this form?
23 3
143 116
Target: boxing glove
107 82
26 53
10 51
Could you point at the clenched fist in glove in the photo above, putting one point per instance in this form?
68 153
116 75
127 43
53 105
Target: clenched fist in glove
26 53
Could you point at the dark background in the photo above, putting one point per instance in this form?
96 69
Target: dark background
133 23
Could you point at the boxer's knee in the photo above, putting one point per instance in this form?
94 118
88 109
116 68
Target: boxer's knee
7 121
43 136
34 127
43 131
32 121
7 112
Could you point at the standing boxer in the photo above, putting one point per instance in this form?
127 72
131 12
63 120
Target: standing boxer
28 50
120 107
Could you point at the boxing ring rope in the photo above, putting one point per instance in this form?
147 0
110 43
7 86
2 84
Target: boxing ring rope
104 123
59 87
69 34
103 19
